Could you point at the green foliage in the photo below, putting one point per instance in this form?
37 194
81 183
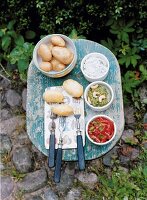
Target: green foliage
7 38
74 35
18 176
61 17
121 185
14 48
21 55
130 47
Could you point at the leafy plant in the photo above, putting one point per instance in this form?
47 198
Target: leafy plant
18 176
74 35
129 46
7 39
21 55
15 51
121 29
120 185
129 57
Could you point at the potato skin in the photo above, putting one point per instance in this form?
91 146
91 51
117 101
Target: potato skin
46 66
52 96
62 110
54 62
73 88
44 52
50 46
59 67
63 54
57 41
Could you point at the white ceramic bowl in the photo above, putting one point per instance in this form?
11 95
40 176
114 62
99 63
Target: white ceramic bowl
101 75
109 90
104 143
37 59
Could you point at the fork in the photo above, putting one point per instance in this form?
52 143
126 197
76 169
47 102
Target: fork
57 173
52 127
80 148
76 100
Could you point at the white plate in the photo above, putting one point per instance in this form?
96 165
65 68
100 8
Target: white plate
69 135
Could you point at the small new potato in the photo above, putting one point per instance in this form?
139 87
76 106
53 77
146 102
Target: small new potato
59 67
55 62
46 66
62 110
44 52
52 96
50 46
57 41
63 54
73 88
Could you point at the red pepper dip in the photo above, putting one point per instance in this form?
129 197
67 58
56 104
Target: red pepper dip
101 129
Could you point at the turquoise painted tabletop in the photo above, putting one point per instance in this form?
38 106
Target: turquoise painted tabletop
37 82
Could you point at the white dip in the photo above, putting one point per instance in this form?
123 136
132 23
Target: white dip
95 67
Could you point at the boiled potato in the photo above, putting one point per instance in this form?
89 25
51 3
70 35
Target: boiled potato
57 41
52 96
63 54
73 88
57 66
44 52
46 66
55 62
62 110
50 46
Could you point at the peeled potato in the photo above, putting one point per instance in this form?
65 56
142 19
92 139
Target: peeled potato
62 110
52 96
46 66
63 54
44 52
57 41
73 88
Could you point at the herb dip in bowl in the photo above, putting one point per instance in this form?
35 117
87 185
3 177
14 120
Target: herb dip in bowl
99 95
95 67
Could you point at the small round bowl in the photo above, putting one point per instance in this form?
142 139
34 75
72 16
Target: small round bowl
97 60
110 96
104 143
53 74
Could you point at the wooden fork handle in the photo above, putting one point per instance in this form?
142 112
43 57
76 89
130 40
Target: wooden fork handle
80 151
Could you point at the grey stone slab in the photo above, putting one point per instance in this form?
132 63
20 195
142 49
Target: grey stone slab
88 179
5 143
7 186
12 124
22 159
73 194
33 181
13 98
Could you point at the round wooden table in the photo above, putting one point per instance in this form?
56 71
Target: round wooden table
37 82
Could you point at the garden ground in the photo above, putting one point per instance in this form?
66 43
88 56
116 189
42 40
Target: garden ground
120 174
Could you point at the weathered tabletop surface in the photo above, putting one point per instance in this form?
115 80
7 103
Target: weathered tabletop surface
37 83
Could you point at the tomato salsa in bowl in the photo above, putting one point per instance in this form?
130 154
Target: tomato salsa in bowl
101 129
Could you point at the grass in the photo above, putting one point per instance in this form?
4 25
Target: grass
119 185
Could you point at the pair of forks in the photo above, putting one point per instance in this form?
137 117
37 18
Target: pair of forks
80 149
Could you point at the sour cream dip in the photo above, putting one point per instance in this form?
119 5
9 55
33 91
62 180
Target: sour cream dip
95 66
